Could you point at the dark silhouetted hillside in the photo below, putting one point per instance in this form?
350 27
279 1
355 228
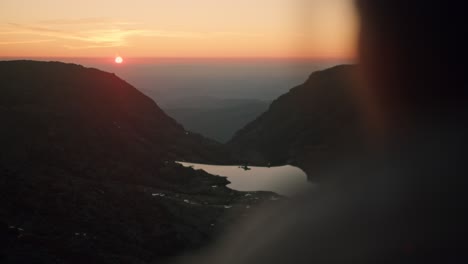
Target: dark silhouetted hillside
87 171
312 126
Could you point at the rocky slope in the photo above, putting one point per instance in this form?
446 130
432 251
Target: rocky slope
87 171
312 126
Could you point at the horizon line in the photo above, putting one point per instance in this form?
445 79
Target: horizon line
184 58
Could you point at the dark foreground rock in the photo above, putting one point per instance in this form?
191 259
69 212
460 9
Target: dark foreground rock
87 172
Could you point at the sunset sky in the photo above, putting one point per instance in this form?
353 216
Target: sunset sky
177 28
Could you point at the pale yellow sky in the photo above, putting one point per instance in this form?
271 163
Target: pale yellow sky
177 28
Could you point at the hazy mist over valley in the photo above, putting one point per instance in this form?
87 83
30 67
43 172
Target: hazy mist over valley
171 81
213 97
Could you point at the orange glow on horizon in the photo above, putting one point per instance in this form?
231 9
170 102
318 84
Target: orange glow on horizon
322 29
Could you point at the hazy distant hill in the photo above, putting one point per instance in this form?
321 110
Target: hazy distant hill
87 171
215 118
311 126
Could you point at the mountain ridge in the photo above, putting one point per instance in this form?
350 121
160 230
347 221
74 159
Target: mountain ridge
88 172
312 126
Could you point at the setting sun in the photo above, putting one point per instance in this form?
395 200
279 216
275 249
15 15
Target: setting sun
118 59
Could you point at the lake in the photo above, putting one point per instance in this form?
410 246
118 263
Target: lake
285 180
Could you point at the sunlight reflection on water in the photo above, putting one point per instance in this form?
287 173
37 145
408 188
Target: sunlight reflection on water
285 180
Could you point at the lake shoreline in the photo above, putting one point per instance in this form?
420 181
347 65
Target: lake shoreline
284 180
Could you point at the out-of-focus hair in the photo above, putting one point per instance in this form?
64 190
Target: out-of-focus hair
429 38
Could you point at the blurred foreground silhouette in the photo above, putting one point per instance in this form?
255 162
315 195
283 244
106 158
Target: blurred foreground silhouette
404 199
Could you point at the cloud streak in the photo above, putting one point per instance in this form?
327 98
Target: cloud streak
25 42
87 33
85 21
95 33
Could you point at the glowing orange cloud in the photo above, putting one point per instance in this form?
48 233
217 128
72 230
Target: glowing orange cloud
156 28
